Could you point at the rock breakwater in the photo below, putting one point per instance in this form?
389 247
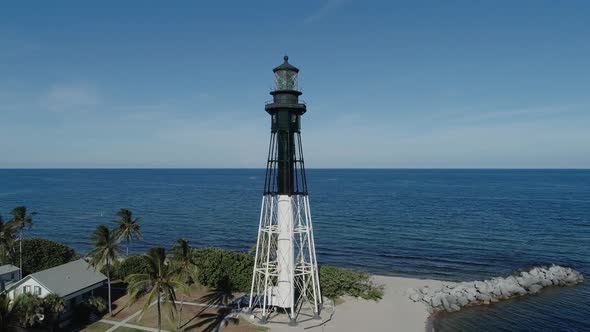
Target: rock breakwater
453 296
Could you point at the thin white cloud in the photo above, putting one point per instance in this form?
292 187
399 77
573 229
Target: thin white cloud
71 97
328 7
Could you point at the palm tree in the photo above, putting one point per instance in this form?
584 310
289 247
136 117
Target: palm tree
7 314
27 308
53 306
106 249
20 219
7 237
159 283
186 270
127 227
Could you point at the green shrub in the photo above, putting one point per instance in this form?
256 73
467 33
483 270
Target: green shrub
215 264
131 265
336 282
41 254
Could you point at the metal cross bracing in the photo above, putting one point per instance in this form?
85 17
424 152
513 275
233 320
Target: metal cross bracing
265 293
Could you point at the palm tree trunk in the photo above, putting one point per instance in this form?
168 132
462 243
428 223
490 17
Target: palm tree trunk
159 315
180 311
127 247
20 244
109 285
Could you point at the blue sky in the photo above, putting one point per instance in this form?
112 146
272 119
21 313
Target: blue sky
388 84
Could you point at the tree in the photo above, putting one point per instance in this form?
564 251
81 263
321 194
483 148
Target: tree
20 219
159 283
53 306
131 265
186 271
127 228
41 254
7 238
105 251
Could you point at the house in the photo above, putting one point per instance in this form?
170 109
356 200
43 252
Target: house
73 282
9 274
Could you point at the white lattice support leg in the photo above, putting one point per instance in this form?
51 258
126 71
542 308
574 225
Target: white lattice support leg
254 272
314 265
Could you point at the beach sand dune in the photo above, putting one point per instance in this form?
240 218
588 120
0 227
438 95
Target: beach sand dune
395 312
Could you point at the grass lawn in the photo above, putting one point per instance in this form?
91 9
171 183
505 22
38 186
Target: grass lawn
128 329
120 309
191 316
97 327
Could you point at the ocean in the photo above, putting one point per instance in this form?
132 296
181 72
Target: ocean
443 224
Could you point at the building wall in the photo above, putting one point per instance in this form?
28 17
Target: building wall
10 276
32 283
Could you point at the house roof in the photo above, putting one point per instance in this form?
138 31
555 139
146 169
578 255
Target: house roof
8 268
69 278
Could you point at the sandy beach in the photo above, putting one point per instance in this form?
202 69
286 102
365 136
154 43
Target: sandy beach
395 312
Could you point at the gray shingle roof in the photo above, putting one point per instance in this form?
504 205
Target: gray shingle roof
69 278
8 268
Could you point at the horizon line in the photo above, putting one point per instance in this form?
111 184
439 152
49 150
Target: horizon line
307 168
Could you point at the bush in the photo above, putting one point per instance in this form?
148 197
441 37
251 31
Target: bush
41 254
131 265
216 265
336 282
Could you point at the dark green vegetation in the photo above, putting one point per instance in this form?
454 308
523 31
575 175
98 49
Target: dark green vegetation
25 312
217 266
41 254
130 265
336 282
92 305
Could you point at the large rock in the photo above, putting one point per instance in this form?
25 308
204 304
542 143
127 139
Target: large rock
453 296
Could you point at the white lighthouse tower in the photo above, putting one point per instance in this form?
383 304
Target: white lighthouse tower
285 278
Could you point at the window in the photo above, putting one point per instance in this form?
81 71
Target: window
37 290
27 289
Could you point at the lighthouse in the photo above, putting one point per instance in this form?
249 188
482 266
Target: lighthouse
285 279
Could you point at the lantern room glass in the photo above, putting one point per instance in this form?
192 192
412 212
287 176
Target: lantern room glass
285 80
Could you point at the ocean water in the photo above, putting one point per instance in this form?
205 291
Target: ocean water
443 224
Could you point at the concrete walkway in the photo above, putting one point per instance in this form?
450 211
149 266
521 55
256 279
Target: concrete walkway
125 322
133 326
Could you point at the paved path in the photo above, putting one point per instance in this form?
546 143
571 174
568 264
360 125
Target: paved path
125 322
138 327
117 324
